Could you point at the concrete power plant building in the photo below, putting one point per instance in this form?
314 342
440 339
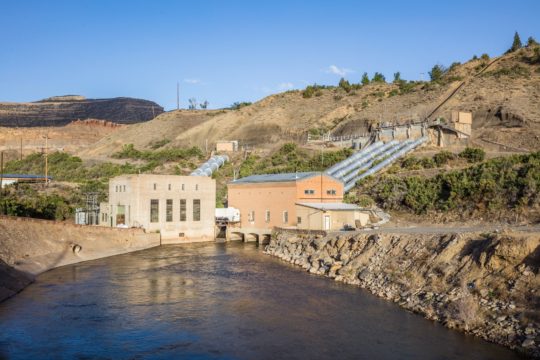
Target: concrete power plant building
181 208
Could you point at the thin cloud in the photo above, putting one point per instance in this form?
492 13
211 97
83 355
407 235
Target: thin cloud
192 81
285 86
333 69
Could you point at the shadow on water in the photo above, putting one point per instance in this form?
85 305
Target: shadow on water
215 301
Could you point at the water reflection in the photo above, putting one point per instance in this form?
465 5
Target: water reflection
215 301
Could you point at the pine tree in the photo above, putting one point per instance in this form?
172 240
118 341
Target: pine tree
437 72
516 45
378 77
344 84
531 41
365 79
397 77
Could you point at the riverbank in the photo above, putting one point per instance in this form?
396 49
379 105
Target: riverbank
486 284
31 246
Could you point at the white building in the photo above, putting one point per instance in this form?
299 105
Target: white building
181 208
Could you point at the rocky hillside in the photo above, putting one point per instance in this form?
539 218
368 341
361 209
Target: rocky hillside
502 93
61 110
483 283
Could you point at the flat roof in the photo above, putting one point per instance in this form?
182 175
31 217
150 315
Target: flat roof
24 176
284 177
330 206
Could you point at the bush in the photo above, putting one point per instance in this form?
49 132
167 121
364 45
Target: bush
484 57
238 105
502 183
442 158
473 155
514 72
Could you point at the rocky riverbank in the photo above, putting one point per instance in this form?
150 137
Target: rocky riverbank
486 284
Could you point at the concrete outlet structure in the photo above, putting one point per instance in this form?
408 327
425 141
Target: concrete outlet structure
181 208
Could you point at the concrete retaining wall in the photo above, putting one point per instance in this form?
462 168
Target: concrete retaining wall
32 246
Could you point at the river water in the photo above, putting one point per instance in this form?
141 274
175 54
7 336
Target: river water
215 301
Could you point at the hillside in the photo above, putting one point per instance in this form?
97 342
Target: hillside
503 97
61 110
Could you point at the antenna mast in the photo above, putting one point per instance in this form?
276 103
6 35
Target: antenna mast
177 95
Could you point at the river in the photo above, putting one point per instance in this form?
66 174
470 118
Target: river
215 301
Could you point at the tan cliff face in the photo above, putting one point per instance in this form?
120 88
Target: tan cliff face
61 110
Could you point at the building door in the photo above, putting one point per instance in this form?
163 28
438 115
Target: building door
326 222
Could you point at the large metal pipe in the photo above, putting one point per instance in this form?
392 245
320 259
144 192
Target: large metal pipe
401 152
340 174
378 157
211 165
351 159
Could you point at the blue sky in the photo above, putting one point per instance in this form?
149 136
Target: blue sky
227 51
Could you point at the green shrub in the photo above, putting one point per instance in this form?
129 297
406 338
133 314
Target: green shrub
473 155
496 184
238 105
442 158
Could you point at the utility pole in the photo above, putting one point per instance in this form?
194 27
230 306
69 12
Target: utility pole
46 157
1 183
177 95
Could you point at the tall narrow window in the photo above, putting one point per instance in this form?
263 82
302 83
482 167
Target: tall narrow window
169 213
124 188
183 188
285 217
169 186
196 210
183 210
196 186
298 220
154 210
267 216
155 186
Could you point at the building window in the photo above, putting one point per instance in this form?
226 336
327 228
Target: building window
121 215
196 186
155 186
251 216
116 188
183 188
169 186
309 192
331 192
285 217
267 216
196 210
169 213
298 220
124 188
183 210
154 210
